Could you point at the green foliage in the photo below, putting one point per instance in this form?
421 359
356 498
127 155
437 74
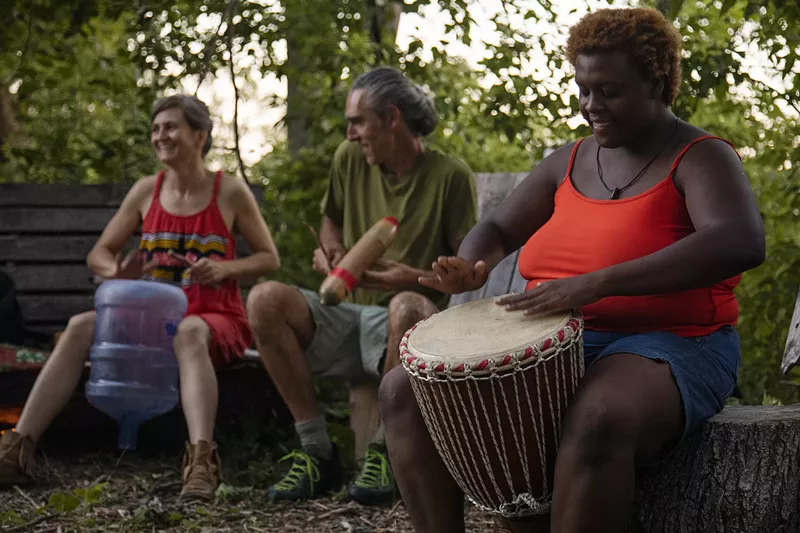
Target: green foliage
63 502
83 118
11 519
756 109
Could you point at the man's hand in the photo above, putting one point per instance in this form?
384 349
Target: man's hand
207 272
393 276
454 275
325 263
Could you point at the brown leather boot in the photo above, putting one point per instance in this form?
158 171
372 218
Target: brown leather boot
202 471
16 459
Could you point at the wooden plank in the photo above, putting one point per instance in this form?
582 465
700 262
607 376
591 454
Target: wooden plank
53 308
45 247
67 248
517 281
50 248
58 195
493 188
31 194
791 354
54 219
51 277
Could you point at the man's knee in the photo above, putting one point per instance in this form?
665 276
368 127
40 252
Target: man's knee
275 309
395 394
269 304
409 306
266 300
192 332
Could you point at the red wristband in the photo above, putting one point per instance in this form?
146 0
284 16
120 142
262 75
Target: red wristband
344 275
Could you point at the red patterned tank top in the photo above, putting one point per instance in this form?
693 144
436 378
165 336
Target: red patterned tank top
203 234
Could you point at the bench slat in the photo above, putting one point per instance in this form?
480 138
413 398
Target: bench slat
26 194
50 309
51 277
494 188
45 247
67 248
59 195
54 219
48 248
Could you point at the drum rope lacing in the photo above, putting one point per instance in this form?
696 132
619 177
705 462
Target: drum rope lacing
457 412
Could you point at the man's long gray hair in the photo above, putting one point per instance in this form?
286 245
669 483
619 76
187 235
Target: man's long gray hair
387 87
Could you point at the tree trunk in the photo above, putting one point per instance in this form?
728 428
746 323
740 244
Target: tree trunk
296 116
740 473
385 20
7 122
384 24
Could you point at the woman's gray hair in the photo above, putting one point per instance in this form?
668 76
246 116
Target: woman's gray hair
195 112
386 87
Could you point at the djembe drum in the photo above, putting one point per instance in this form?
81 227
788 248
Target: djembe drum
493 387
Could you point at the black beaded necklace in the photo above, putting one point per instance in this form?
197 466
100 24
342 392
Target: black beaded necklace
616 191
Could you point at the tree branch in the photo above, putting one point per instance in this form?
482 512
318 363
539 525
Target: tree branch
227 15
231 35
25 50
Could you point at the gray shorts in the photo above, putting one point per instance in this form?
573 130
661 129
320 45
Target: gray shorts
349 339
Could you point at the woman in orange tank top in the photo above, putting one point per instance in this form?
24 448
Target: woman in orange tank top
645 227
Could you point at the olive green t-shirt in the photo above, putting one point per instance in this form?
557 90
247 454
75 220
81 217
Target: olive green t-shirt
435 203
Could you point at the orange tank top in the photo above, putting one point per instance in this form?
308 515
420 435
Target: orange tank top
584 235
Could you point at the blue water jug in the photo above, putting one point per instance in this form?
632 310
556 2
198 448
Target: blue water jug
134 375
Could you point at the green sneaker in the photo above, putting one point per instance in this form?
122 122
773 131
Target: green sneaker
309 477
375 483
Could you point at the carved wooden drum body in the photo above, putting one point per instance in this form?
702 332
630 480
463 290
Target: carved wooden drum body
493 387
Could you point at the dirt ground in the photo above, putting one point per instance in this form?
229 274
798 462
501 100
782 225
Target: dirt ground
106 492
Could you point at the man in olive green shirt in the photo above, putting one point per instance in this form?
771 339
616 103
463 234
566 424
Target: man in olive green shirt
383 169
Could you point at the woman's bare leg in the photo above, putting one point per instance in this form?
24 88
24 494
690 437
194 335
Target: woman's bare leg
59 378
434 501
627 409
199 393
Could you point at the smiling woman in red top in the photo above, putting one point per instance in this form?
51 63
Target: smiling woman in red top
189 216
645 226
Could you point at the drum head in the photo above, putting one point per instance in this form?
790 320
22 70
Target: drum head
481 330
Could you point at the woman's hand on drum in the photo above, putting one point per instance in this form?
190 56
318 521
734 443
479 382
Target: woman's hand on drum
133 266
553 296
454 275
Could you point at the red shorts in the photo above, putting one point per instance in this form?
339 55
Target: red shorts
230 337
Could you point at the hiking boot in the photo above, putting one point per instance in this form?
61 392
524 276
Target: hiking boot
202 470
309 477
16 459
375 483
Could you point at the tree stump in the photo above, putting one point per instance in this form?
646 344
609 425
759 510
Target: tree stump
739 473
